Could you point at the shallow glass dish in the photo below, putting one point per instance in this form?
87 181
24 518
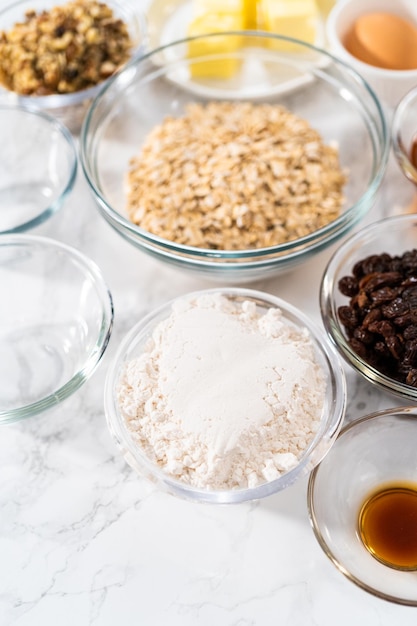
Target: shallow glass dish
55 323
393 235
69 108
38 167
404 134
307 81
331 419
370 453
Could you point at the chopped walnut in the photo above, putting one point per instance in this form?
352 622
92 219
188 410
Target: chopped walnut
66 49
233 176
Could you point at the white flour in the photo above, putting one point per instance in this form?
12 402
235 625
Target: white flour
223 397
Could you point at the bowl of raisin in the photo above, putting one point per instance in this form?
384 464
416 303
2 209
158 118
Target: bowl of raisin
368 302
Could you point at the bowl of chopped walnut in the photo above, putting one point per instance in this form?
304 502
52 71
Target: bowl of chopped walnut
57 54
369 303
221 154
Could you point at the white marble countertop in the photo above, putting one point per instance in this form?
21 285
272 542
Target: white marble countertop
84 541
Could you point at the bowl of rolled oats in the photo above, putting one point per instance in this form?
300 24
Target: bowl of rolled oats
369 303
236 155
57 54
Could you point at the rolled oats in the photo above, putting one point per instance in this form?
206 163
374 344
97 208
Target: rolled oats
233 176
66 49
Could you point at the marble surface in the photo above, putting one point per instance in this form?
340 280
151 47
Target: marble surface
85 541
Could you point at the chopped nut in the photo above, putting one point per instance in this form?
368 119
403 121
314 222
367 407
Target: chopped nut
69 48
233 176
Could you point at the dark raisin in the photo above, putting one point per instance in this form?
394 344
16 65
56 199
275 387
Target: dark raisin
385 294
395 346
359 348
373 316
395 308
348 286
410 332
411 378
348 317
363 335
383 327
409 295
381 279
410 353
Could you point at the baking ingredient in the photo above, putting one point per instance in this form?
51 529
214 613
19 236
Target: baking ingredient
219 60
383 40
388 525
413 151
381 318
62 50
292 18
223 395
234 175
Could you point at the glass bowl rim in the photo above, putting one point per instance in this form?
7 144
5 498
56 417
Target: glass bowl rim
317 238
132 452
329 314
408 412
407 167
90 269
55 125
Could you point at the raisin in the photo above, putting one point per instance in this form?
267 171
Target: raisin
348 286
363 336
395 308
411 378
383 327
395 346
348 317
374 315
410 332
381 317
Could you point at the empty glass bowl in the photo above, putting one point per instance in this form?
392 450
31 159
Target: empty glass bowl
38 166
55 323
393 236
404 134
375 452
307 81
133 345
69 108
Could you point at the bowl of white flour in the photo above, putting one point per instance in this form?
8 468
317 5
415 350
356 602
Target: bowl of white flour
225 395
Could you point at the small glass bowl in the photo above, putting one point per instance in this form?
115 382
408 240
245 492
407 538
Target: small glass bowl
332 415
307 81
404 134
370 453
38 167
55 323
393 235
69 108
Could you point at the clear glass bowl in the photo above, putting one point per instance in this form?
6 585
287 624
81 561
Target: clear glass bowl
370 453
38 167
308 81
404 134
393 235
55 323
69 108
331 420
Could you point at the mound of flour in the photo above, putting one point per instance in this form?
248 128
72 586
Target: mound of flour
222 396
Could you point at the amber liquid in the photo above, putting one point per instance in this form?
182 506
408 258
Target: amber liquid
388 526
413 151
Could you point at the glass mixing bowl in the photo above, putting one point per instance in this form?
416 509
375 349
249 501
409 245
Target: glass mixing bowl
333 408
393 236
311 83
38 167
69 108
55 323
372 453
